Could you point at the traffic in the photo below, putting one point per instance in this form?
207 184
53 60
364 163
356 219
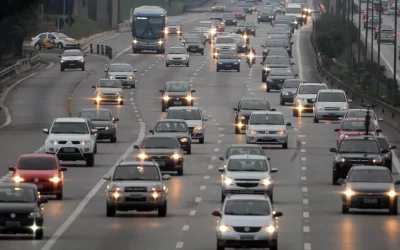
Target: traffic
201 142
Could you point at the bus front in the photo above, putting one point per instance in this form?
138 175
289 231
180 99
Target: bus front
148 33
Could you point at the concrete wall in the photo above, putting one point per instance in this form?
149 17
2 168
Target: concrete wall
102 17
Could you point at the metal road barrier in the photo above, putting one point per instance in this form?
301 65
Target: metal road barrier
31 56
101 50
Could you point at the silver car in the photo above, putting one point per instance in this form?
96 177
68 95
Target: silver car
224 43
108 91
362 113
123 72
247 221
102 120
330 104
174 27
137 185
177 55
305 97
267 127
194 119
249 174
72 59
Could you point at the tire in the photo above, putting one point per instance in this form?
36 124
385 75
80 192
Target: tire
219 247
83 68
295 112
39 234
62 68
390 167
263 78
393 210
162 211
315 120
345 209
110 210
282 103
271 197
268 89
180 171
217 69
285 145
334 178
59 196
237 130
187 65
273 247
202 53
166 65
38 46
222 197
90 160
189 150
60 46
201 140
238 70
163 108
114 139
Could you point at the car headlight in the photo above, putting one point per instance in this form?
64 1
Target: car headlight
284 93
142 156
84 142
184 139
392 193
345 108
233 48
111 77
131 77
165 98
82 60
319 107
224 228
134 41
377 160
185 58
53 142
343 136
213 31
157 188
18 179
55 179
281 132
198 127
267 69
304 16
295 22
270 229
160 42
228 181
266 182
113 188
98 98
176 156
349 192
340 159
35 215
252 132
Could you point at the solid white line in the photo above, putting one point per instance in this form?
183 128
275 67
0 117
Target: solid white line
206 177
214 120
305 201
221 128
307 246
306 229
203 187
296 129
299 62
50 65
185 228
303 159
303 168
304 189
210 167
68 222
179 244
197 200
221 135
219 141
306 215
216 149
192 213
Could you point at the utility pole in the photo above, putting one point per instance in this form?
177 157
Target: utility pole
379 47
359 43
351 37
366 36
395 56
372 32
348 34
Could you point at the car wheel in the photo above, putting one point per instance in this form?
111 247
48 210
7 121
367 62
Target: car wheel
393 209
110 210
222 197
38 46
39 234
90 160
282 103
273 247
217 69
83 68
163 108
60 46
202 53
334 178
285 145
189 150
238 70
219 247
187 64
267 89
295 112
201 140
59 196
95 149
114 139
316 120
345 209
180 171
162 211
271 197
62 68
166 65
237 130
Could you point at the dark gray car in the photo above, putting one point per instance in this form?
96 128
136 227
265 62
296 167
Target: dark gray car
229 19
176 93
193 44
163 149
288 44
276 78
175 127
102 120
289 90
275 62
388 157
274 44
369 187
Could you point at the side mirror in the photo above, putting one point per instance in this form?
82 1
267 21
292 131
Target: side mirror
136 146
166 177
94 131
235 109
46 131
221 169
116 119
384 151
63 169
296 75
336 130
107 178
380 119
292 63
379 130
161 91
105 70
341 181
397 183
216 213
277 214
151 131
349 101
288 124
222 158
12 168
262 46
93 87
274 170
135 70
333 150
59 56
193 90
291 43
205 119
273 109
43 200
269 158
393 147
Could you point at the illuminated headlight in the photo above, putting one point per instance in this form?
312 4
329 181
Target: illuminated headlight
82 60
160 42
119 99
189 98
110 77
131 77
251 56
185 58
142 156
242 117
343 136
155 195
281 132
135 41
319 107
224 228
345 108
184 140
299 107
304 16
244 46
267 69
270 229
84 142
233 48
295 22
166 30
176 156
252 132
244 36
309 10
53 142
98 98
61 61
284 93
116 195
35 215
305 9
377 160
392 193
228 181
18 179
349 192
213 31
166 98
266 182
198 127
240 124
55 179
340 159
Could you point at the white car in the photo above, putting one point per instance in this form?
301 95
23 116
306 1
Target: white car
177 55
330 104
224 43
61 40
72 139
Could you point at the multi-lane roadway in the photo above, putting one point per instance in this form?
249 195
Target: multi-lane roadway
311 206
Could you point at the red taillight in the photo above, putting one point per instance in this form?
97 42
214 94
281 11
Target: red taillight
394 35
365 20
376 30
365 12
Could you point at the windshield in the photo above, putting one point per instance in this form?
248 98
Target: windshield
364 175
225 40
61 35
255 105
355 126
173 23
160 142
97 115
358 146
294 10
37 163
244 151
247 165
311 89
18 194
281 72
148 27
222 56
277 60
192 40
205 25
177 87
247 207
277 31
120 68
383 143
277 52
72 53
228 16
267 119
134 172
184 114
360 114
168 127
389 31
109 84
291 84
282 26
69 128
332 97
177 51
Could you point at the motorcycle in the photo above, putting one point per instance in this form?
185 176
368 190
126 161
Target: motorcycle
251 59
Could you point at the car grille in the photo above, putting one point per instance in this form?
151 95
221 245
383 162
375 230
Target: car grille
62 142
159 157
121 77
247 229
239 180
66 150
225 48
76 142
135 189
177 58
356 160
193 47
266 132
246 184
108 95
5 216
135 199
332 109
310 100
72 61
39 180
278 80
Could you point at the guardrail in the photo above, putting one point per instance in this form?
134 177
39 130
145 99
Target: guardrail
31 56
124 27
101 50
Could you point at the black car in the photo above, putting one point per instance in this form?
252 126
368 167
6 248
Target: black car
291 20
163 149
175 127
229 19
289 90
176 93
277 52
388 157
244 109
102 120
275 44
243 149
279 30
193 34
275 62
266 16
286 42
248 28
353 151
228 61
194 44
276 77
369 187
21 209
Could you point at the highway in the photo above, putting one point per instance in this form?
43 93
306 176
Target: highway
311 206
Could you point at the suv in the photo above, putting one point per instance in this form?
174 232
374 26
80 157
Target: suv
72 139
136 185
176 93
123 72
247 221
330 104
388 157
305 97
353 151
288 90
224 43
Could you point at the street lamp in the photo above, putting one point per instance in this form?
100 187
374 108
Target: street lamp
394 86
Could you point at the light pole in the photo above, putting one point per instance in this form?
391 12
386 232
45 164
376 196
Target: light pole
359 41
366 36
351 37
395 56
379 46
372 32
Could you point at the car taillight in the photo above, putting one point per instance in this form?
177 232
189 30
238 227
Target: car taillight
376 30
365 20
394 35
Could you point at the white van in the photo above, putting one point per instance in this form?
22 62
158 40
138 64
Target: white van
296 9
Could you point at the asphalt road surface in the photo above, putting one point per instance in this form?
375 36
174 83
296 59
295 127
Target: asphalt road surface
311 206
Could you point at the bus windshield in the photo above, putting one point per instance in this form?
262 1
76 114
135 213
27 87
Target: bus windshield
148 27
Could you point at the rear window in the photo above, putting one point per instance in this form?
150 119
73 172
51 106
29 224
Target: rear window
331 97
225 40
37 163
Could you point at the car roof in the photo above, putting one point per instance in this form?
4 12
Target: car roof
33 155
171 120
120 63
142 163
96 109
368 168
312 83
184 107
244 146
70 119
266 112
205 22
248 156
161 135
254 98
176 82
247 197
333 90
12 184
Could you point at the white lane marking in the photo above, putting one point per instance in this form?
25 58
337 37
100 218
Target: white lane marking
206 177
216 149
50 65
304 189
216 124
209 115
221 128
304 178
305 201
213 157
131 93
296 129
64 227
132 100
203 187
307 246
306 229
303 150
185 228
210 166
306 214
301 136
303 159
221 135
213 120
179 244
197 200
303 143
299 62
219 141
192 213
303 168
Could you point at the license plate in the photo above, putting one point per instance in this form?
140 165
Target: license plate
72 64
13 223
246 237
161 163
135 196
177 103
370 201
39 186
69 150
193 49
331 114
228 66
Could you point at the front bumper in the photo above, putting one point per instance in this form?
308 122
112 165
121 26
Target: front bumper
265 19
20 225
106 133
167 164
287 98
177 61
329 115
196 134
70 153
304 108
267 138
235 189
176 102
72 64
260 239
275 85
137 201
109 99
47 187
228 66
368 201
173 31
148 46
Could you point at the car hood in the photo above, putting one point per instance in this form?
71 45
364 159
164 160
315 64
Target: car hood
177 55
177 134
247 112
370 187
177 94
292 14
230 19
193 123
68 137
134 183
69 40
72 58
120 73
103 124
280 77
109 90
160 151
36 173
228 60
332 104
267 127
358 155
247 221
225 45
290 90
307 96
18 208
247 175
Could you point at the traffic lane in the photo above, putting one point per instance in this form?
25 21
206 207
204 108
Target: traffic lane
33 105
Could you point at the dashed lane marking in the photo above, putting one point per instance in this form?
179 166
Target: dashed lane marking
206 177
203 187
306 229
185 228
307 246
304 189
305 201
210 166
216 149
179 244
304 178
198 199
192 213
306 215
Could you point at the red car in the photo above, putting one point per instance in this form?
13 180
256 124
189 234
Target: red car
354 127
43 170
218 24
240 15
